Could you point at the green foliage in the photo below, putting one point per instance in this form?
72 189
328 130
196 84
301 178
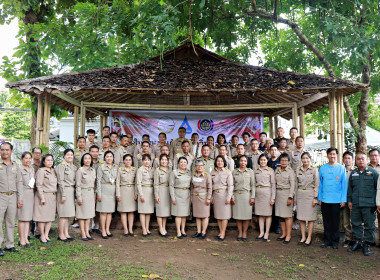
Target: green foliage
15 124
56 149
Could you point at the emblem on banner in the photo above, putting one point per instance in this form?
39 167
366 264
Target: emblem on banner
205 126
186 125
165 124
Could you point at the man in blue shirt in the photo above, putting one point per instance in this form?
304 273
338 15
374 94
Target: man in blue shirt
332 196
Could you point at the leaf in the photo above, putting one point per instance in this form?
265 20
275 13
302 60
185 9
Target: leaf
154 276
202 4
282 256
301 265
291 82
100 245
50 263
215 254
145 276
333 267
42 248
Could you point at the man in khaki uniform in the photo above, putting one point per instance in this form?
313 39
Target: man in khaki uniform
176 144
213 149
138 148
90 139
374 162
268 144
106 142
233 146
255 152
229 160
348 159
184 153
137 161
125 148
247 142
94 152
36 153
292 141
156 149
106 132
10 196
79 151
205 158
113 138
282 146
295 155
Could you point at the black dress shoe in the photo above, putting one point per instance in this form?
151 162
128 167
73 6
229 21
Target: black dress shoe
180 237
335 246
97 231
110 235
217 237
301 243
162 235
366 249
258 238
378 245
63 240
126 234
221 239
203 236
22 245
280 238
346 243
358 245
149 234
37 236
196 235
307 244
244 239
90 238
70 238
1 252
238 238
104 236
84 239
131 234
184 235
13 250
325 245
144 235
286 242
265 240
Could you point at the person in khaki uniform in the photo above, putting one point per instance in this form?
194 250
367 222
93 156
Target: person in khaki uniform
186 154
229 160
138 160
176 144
179 188
255 153
138 147
106 133
374 162
114 146
25 212
282 146
213 148
80 151
295 155
85 179
164 150
222 189
45 201
126 194
196 149
10 196
144 186
65 196
286 183
265 196
233 146
94 152
156 148
243 197
90 139
293 136
247 142
348 159
161 193
106 142
307 186
124 149
208 163
221 141
106 193
201 193
36 154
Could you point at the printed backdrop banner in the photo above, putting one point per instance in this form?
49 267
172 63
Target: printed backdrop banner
204 123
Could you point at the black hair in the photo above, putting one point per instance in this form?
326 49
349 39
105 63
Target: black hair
93 147
184 142
246 133
262 155
254 139
240 145
233 136
284 155
299 137
272 146
225 146
360 153
106 126
145 156
143 142
123 136
373 150
162 133
162 156
68 150
113 133
106 137
205 146
210 136
90 131
332 149
82 159
261 133
24 154
42 164
128 155
242 157
109 152
222 157
294 128
223 136
194 134
181 128
348 153
167 146
36 148
145 135
81 137
306 154
182 158
7 143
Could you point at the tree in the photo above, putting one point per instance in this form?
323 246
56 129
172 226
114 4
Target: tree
16 125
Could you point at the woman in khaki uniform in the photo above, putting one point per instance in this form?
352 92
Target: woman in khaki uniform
45 202
85 193
179 187
286 183
222 187
201 193
163 150
265 196
221 141
25 212
65 196
126 194
243 197
162 194
144 185
306 197
106 192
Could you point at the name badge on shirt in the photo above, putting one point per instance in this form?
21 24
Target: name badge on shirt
112 180
355 174
31 183
197 180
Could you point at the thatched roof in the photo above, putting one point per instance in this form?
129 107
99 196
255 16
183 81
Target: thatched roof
206 77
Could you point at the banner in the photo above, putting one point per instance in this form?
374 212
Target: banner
204 123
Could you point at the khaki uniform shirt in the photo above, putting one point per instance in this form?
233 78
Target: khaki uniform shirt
291 145
97 164
201 184
208 164
189 158
144 177
266 178
377 167
222 180
137 161
247 148
116 156
156 163
287 151
233 152
286 180
85 179
46 182
114 148
156 149
78 156
230 163
175 146
160 178
105 175
125 177
295 159
26 176
138 150
89 144
10 178
308 179
178 179
66 176
122 151
244 181
35 167
255 158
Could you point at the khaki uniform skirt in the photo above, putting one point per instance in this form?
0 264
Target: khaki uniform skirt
242 210
146 207
87 209
25 214
305 209
281 209
108 203
222 211
182 207
262 202
163 207
66 210
127 199
45 213
200 209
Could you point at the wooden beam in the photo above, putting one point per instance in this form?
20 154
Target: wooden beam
73 101
170 107
82 119
106 119
295 115
275 127
40 117
270 126
46 125
302 122
76 123
101 126
333 124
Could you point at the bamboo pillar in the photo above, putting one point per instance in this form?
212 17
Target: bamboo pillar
46 120
333 120
270 126
101 126
39 124
106 119
275 127
295 115
340 121
82 119
76 124
302 122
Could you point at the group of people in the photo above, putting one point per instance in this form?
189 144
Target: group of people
265 177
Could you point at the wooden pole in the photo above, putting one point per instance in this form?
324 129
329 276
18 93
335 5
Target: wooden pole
342 121
46 126
339 122
275 127
76 124
295 115
333 120
302 127
106 119
39 125
82 119
270 127
101 126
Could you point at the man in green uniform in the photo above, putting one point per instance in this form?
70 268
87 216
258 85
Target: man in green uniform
361 198
207 161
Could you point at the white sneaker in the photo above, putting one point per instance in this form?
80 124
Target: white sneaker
76 225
